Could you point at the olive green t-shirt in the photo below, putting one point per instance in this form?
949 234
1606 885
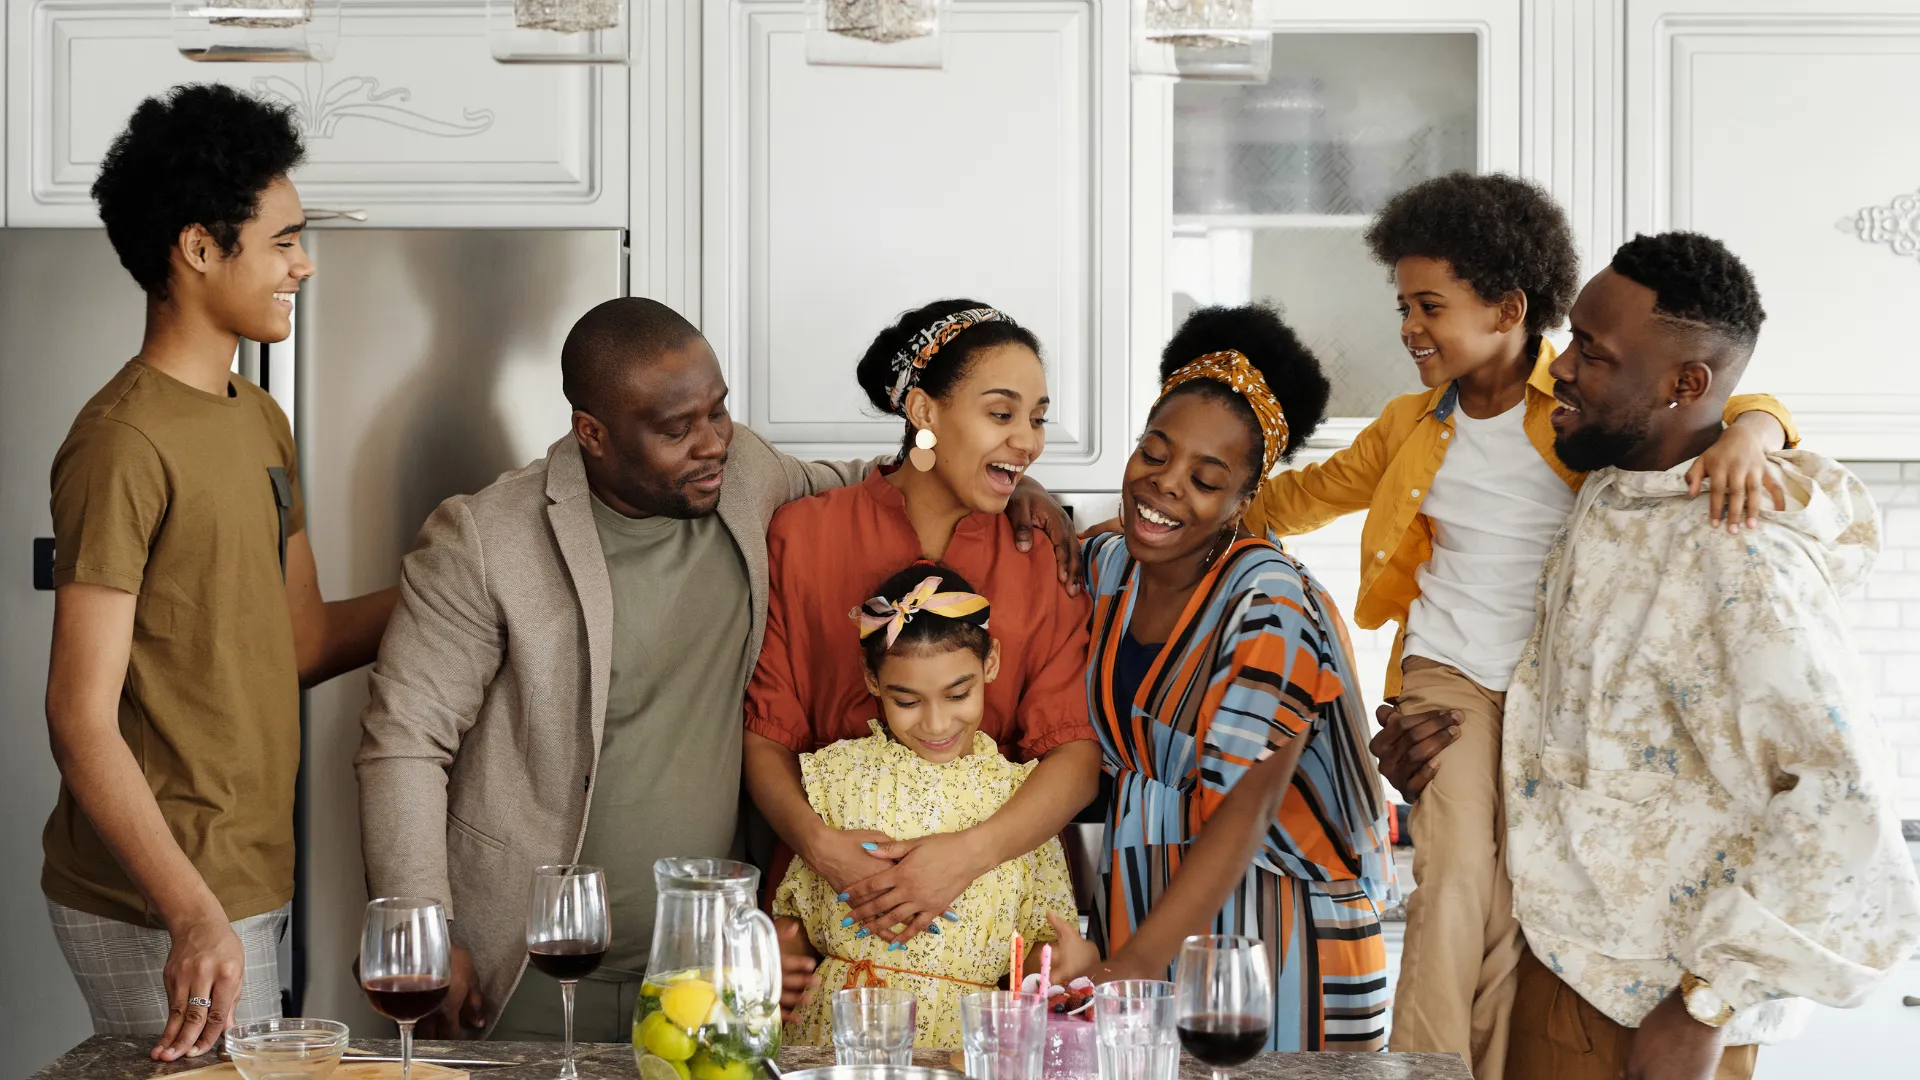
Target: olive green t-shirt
669 773
165 491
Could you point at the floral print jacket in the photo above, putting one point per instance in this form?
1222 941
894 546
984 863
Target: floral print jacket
1694 777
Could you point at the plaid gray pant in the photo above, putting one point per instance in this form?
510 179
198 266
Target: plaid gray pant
118 966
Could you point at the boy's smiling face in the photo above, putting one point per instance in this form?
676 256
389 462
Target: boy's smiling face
1449 329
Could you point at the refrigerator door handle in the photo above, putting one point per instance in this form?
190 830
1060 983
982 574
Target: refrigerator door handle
314 213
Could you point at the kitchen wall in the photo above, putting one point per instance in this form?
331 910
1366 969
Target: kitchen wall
1886 620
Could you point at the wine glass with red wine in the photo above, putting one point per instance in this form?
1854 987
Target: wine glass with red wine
567 933
404 963
1224 1000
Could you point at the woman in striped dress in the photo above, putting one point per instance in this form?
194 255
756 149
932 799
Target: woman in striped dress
1212 650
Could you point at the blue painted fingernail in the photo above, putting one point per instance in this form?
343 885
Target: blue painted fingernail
842 898
935 927
848 921
861 933
871 847
951 916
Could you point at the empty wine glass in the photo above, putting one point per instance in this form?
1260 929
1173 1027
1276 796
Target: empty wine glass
404 963
1224 1000
568 933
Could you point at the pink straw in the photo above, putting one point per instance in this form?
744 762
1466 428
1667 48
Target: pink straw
1046 971
1013 973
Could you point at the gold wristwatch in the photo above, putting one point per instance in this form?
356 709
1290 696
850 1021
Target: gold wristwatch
1703 1002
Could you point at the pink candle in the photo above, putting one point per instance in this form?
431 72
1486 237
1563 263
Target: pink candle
1046 971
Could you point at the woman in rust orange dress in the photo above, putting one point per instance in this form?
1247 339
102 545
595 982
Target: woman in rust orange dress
969 385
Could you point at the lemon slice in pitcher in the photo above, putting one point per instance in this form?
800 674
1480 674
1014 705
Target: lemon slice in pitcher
653 1067
689 1003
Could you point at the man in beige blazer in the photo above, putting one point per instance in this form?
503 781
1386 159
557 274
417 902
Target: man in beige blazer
562 679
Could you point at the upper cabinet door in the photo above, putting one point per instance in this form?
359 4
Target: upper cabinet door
413 121
838 197
1263 192
1787 130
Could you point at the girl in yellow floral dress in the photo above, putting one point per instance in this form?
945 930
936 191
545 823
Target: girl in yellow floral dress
926 769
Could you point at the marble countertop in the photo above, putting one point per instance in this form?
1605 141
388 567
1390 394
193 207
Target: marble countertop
120 1057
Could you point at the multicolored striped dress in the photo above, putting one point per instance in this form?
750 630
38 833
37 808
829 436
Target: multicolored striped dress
1259 655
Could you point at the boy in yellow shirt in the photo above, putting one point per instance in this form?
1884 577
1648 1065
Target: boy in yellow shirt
1463 494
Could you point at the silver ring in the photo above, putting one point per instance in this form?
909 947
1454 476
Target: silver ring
205 1003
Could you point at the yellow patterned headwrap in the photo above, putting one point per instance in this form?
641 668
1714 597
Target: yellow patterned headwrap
1234 369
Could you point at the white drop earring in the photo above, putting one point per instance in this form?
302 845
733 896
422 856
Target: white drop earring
922 453
1673 404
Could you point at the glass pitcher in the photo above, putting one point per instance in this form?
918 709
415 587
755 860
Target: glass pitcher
710 1006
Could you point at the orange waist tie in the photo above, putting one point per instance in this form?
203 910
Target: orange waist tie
863 973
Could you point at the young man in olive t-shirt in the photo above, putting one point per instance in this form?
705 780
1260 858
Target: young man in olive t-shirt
187 613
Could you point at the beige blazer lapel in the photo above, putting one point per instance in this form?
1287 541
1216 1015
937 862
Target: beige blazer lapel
571 515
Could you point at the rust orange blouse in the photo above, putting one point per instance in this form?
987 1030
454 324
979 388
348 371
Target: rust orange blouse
829 552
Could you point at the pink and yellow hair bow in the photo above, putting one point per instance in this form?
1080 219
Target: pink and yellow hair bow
879 613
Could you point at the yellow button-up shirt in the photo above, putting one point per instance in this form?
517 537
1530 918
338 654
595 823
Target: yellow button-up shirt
1387 471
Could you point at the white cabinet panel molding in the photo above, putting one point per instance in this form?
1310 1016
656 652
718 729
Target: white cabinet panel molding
665 153
1779 128
413 121
837 197
1571 116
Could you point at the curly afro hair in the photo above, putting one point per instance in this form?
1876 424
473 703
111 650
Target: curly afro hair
199 155
1289 367
1696 280
1497 232
946 369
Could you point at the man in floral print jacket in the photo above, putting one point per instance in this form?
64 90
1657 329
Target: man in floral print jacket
1700 819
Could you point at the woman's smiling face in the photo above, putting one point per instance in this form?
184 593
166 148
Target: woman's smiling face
990 427
1190 478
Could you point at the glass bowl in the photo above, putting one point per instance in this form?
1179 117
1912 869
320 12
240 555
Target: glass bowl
291 1048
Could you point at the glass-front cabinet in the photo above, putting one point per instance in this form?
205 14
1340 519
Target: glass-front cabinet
1263 191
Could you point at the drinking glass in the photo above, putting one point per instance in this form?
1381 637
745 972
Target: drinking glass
404 964
1225 1000
873 1025
1133 1030
568 933
1003 1033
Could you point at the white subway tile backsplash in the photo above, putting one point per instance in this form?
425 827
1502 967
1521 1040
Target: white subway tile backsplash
1874 615
1886 621
1878 472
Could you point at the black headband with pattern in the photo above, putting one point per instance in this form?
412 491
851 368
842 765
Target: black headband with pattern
912 359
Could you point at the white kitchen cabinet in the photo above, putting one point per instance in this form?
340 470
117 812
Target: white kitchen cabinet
1787 130
412 122
835 198
1264 192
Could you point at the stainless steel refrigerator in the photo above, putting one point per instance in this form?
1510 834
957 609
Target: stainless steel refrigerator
424 363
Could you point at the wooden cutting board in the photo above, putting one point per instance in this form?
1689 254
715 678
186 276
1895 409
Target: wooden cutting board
349 1070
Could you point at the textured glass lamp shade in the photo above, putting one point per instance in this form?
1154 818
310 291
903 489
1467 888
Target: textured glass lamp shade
875 33
560 31
288 31
1220 40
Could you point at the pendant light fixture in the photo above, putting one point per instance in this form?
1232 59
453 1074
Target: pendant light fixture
292 31
561 31
876 33
1218 40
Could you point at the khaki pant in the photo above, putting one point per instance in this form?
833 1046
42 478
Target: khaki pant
1463 944
1558 1036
